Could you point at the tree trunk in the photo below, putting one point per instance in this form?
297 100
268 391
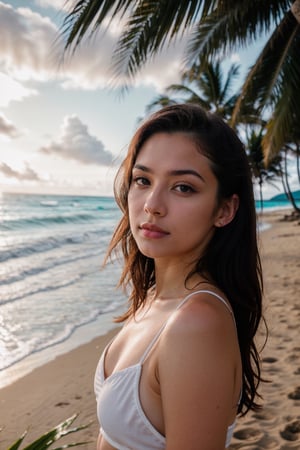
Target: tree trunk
261 195
290 194
298 161
295 8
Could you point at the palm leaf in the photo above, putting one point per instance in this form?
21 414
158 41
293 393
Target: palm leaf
273 84
233 25
150 25
189 94
17 444
264 76
159 102
87 16
46 440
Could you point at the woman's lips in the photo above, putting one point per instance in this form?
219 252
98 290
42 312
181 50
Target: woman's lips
152 231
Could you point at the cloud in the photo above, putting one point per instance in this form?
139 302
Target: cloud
28 174
7 128
26 45
76 143
12 90
31 49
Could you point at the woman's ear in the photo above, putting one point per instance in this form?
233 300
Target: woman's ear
227 211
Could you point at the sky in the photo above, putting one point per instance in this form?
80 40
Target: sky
63 128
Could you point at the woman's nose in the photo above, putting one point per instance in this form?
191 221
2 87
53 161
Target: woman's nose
155 204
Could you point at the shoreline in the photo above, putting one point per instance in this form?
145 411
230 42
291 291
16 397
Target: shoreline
63 386
82 335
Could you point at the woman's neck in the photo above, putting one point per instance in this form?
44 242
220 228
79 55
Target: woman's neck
172 281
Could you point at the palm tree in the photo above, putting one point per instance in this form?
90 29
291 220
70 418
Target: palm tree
260 172
204 87
215 27
207 88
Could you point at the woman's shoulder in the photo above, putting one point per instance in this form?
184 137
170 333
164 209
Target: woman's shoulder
202 308
205 312
200 334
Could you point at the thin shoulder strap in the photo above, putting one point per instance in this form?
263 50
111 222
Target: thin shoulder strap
219 298
156 337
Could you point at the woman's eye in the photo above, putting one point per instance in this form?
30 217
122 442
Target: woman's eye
184 188
141 181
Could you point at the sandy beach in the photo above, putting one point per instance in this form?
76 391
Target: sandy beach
51 393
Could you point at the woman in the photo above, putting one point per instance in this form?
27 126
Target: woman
185 363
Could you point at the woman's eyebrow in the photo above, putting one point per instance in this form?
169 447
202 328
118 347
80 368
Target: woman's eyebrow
175 172
187 172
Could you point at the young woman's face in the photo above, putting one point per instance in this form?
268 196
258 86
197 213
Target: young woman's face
172 198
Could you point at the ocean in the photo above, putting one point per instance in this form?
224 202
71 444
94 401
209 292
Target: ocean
54 294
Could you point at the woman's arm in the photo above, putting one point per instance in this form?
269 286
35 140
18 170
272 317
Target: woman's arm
197 371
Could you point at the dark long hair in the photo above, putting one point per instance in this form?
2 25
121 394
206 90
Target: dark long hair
231 258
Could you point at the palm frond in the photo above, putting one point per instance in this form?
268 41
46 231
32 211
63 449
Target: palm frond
159 102
265 75
47 439
18 442
151 25
88 15
272 84
283 126
232 25
232 75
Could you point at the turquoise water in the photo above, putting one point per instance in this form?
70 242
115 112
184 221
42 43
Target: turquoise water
51 282
270 205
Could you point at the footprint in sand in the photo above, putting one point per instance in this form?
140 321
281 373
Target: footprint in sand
266 415
270 360
295 395
249 434
291 431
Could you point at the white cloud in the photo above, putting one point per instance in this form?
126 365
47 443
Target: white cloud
26 45
76 143
7 128
13 90
31 49
28 174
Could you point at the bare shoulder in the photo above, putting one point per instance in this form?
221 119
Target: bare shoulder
203 326
202 313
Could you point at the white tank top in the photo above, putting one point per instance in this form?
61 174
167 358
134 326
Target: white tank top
123 422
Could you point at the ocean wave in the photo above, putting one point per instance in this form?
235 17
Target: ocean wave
49 243
68 331
45 288
43 221
6 279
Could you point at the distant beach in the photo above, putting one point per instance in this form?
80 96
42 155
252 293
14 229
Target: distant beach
63 384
